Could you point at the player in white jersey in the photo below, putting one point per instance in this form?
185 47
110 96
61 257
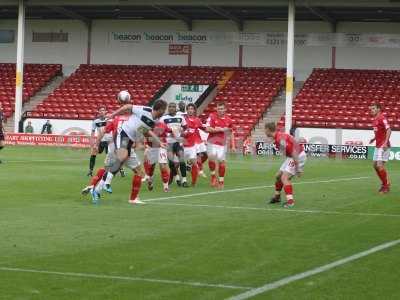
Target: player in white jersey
141 121
182 109
176 123
97 148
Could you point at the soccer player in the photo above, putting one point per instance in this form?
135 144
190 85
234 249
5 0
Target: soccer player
382 147
2 137
156 154
176 123
111 128
220 129
141 121
181 109
293 165
98 148
191 135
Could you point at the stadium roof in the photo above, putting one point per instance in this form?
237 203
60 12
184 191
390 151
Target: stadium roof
332 11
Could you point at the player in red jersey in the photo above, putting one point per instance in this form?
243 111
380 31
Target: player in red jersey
293 165
156 154
220 129
191 135
382 147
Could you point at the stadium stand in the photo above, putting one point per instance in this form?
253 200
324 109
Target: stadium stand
339 98
36 76
248 94
92 86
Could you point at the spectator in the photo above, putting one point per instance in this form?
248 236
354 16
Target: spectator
47 127
29 128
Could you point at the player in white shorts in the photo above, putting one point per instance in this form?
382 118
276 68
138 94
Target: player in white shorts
382 133
141 121
220 129
293 165
155 154
193 124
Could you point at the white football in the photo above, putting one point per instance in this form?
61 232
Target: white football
124 97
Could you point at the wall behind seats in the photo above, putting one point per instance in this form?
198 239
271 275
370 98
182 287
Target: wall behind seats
69 54
105 51
368 58
215 55
306 58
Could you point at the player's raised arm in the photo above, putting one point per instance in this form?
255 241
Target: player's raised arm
122 110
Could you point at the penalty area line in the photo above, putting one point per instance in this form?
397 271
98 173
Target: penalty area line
126 278
252 188
287 280
291 210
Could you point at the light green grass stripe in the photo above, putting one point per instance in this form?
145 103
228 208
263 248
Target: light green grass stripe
274 285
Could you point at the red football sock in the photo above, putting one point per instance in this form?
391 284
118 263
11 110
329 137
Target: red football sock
97 178
136 183
165 175
221 169
195 173
383 176
212 166
278 186
151 170
146 166
200 163
288 191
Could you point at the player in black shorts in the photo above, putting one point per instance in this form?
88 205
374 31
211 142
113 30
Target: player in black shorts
2 137
97 126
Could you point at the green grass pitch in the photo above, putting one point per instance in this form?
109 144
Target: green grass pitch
206 246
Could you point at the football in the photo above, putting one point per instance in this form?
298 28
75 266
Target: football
124 97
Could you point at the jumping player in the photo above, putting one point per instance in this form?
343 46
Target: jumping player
176 123
98 148
141 121
293 165
382 147
191 136
2 137
220 129
111 128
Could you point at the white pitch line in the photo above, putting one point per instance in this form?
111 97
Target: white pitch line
284 281
126 278
44 160
291 210
251 188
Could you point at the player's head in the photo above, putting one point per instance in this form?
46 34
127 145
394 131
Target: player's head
270 129
102 111
375 108
191 109
182 106
159 108
221 109
172 108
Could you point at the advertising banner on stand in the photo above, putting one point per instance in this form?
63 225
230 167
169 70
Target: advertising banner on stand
75 141
319 150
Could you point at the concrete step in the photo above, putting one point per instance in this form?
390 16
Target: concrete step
274 113
35 100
